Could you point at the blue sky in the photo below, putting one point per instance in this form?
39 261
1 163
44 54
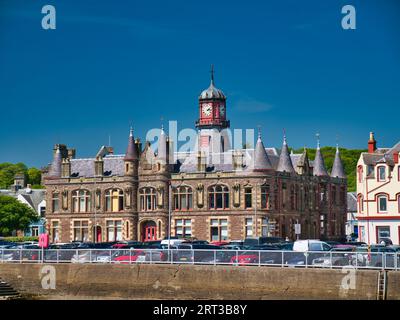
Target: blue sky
282 64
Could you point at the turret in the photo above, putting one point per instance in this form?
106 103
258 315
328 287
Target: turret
285 162
131 158
319 163
337 168
261 159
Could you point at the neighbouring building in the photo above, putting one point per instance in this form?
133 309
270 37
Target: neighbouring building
33 198
378 193
214 192
351 223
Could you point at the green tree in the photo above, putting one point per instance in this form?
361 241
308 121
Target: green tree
8 171
34 176
14 215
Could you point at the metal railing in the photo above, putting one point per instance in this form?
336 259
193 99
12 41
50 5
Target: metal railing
276 258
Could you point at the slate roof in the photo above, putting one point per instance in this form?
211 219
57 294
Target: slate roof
113 166
351 202
319 168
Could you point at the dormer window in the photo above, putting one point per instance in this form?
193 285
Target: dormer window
381 173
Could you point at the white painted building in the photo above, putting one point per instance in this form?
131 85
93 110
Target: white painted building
378 194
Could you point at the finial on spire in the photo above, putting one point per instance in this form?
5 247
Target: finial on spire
337 143
212 74
162 124
284 135
131 131
259 131
318 142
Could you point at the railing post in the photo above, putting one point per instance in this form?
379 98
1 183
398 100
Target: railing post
58 256
130 256
306 254
215 257
20 256
330 259
283 256
151 256
237 257
2 255
259 258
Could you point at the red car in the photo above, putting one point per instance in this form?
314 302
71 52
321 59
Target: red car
245 258
219 243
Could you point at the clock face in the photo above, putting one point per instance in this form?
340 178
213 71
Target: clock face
222 110
206 109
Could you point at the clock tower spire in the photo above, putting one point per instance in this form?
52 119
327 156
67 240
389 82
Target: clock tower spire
212 107
212 119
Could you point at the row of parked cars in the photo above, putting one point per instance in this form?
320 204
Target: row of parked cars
252 251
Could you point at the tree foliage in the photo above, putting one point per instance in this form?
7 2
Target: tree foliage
349 158
14 215
9 170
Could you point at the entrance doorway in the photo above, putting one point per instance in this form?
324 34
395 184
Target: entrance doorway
149 231
97 234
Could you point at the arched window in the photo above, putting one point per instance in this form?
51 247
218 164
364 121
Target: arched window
114 200
147 199
218 197
360 173
81 201
360 201
382 203
381 173
183 198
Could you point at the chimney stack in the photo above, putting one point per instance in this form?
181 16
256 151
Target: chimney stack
396 157
66 168
98 166
371 143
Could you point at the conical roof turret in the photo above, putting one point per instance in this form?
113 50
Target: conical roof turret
285 162
319 168
261 159
337 168
131 150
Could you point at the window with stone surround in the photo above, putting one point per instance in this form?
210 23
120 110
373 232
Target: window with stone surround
265 196
81 230
264 227
183 198
248 225
55 202
81 201
55 231
219 229
114 230
218 197
360 201
114 200
248 203
148 200
183 228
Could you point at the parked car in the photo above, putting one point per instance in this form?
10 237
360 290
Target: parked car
305 251
135 256
126 244
248 242
199 253
385 241
245 258
310 245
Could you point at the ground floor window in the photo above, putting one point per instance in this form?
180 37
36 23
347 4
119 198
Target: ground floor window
248 227
382 232
264 227
219 229
114 230
361 233
183 228
35 231
81 230
55 231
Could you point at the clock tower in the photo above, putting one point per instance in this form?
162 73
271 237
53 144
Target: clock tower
212 119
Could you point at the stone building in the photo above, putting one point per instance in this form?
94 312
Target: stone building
213 192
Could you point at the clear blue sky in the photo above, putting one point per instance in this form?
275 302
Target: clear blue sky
282 64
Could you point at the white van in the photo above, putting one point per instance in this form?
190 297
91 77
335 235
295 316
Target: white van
310 245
